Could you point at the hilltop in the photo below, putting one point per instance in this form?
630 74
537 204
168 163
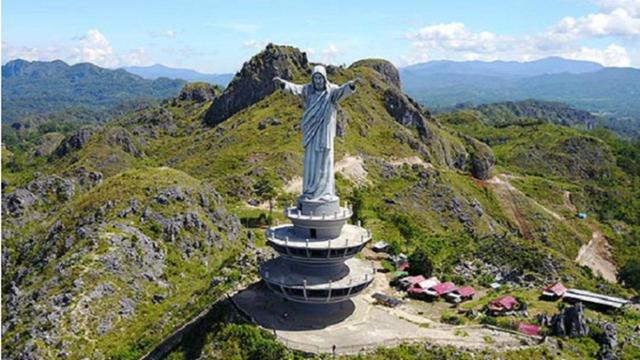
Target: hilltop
163 194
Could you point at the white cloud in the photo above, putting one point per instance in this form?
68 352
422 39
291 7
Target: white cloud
95 48
617 20
254 44
612 55
10 52
631 6
92 47
456 37
136 57
330 53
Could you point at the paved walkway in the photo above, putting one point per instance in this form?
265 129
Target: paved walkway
359 325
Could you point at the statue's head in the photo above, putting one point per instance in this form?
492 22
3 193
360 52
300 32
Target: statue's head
319 78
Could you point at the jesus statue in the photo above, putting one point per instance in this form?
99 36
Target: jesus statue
318 124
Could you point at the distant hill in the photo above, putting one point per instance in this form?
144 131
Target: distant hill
550 65
530 112
30 88
156 71
585 85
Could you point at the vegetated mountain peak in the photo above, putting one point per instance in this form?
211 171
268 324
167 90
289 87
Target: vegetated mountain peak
36 87
19 67
255 80
383 67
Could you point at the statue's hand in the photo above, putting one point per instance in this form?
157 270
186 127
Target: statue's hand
356 81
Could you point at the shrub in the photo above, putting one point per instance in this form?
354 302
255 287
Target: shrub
420 264
452 319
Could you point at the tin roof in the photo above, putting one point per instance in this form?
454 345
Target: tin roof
466 291
557 289
443 288
506 302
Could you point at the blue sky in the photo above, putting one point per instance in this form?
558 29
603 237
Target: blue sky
218 36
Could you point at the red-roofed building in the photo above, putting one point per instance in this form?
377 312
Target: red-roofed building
418 289
529 329
462 294
503 305
441 289
554 291
410 281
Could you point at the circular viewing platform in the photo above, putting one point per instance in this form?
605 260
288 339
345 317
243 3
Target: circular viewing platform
319 224
333 284
286 240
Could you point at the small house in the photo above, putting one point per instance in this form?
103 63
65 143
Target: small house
554 292
462 294
441 289
495 285
409 281
419 289
503 305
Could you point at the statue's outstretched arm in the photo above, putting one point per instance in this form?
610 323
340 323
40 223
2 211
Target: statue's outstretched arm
344 90
289 87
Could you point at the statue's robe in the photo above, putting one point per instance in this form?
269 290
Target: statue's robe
318 131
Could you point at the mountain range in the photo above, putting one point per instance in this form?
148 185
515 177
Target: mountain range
36 87
157 71
585 85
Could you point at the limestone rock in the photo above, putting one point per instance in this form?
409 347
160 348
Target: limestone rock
74 142
120 136
482 158
570 322
255 80
406 111
383 67
198 92
17 202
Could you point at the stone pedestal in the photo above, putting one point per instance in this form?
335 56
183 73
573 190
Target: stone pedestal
316 263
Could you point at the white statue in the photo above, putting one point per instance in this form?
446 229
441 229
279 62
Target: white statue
320 99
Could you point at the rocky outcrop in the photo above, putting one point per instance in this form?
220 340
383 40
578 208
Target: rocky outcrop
150 248
74 142
198 92
608 342
255 80
121 137
383 67
570 322
17 202
482 158
406 111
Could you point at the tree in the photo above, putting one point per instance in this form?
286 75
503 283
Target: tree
630 274
419 263
266 189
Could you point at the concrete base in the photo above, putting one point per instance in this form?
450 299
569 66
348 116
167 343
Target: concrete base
357 325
